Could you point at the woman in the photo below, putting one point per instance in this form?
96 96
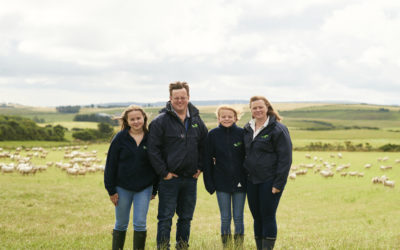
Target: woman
129 177
224 172
268 160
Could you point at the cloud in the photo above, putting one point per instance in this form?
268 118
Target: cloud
83 52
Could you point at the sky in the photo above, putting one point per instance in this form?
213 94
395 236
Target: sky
90 52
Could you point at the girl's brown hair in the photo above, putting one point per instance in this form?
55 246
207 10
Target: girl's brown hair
124 117
270 109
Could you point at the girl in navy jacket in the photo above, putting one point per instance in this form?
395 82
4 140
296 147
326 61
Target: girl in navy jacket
224 172
268 160
129 177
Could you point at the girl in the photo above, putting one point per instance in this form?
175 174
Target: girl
129 177
223 172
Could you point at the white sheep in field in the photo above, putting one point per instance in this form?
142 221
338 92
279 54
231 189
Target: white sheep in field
292 176
368 165
301 172
385 167
339 168
1 149
315 158
72 171
378 179
360 174
354 173
26 169
379 159
389 184
340 155
309 165
7 169
385 158
343 174
326 173
308 156
397 161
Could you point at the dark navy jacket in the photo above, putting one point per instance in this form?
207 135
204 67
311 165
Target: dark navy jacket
269 155
128 165
174 147
227 147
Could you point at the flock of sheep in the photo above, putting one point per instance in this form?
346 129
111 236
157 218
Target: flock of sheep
328 169
79 163
76 162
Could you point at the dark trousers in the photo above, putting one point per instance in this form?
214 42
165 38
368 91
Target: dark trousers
263 205
175 195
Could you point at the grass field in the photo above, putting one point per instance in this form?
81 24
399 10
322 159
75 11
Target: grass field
54 211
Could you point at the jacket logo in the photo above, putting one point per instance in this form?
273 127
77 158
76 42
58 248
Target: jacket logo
264 136
237 144
195 125
144 147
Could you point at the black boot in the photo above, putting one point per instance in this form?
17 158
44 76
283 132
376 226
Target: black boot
139 240
226 239
118 239
258 243
268 243
238 238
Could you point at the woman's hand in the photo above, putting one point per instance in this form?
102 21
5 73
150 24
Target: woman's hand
114 199
275 190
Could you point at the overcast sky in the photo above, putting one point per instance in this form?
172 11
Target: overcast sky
82 52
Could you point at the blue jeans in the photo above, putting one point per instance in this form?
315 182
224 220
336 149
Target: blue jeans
237 199
263 205
140 202
175 195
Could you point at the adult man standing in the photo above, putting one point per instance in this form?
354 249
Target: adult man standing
175 145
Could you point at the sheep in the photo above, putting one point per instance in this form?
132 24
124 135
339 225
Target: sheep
360 174
308 156
310 165
385 158
332 155
301 172
375 180
292 176
343 174
72 171
385 167
340 155
389 184
315 158
368 165
397 160
326 173
7 169
354 173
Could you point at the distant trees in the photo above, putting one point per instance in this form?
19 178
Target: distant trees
68 109
96 118
104 132
16 128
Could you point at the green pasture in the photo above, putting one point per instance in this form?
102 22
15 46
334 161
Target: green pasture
51 210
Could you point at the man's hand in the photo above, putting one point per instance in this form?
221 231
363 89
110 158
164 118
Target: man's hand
114 199
170 176
197 174
275 190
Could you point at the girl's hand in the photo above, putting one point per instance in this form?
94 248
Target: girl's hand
114 199
275 190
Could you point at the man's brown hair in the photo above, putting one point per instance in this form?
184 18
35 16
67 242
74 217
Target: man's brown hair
178 85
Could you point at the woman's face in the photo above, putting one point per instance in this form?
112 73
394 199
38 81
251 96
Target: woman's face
259 110
135 120
226 117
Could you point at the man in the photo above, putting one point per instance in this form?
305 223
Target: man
175 145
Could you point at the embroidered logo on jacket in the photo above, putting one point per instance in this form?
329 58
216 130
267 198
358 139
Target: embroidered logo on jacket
144 147
264 136
195 125
237 144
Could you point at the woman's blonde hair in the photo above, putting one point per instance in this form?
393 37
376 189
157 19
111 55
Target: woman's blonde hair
270 109
235 111
124 117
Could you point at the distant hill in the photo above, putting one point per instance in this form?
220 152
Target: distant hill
157 104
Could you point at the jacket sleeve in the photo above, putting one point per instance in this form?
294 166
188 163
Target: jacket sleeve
202 145
283 147
111 169
154 144
208 165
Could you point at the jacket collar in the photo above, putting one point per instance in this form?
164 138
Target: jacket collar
193 111
130 142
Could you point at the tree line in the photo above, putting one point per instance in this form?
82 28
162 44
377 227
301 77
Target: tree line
16 128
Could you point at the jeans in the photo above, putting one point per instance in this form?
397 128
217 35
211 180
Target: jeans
263 205
175 195
140 202
228 202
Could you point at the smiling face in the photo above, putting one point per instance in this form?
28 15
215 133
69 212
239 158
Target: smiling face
135 120
259 110
179 100
226 117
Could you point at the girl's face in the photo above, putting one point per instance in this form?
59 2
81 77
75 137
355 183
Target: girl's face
259 110
135 120
226 117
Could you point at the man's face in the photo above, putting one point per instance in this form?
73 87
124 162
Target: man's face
179 100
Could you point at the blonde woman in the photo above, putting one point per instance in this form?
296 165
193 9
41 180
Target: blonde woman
268 160
129 177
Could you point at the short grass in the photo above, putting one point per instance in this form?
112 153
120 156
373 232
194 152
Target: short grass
54 211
